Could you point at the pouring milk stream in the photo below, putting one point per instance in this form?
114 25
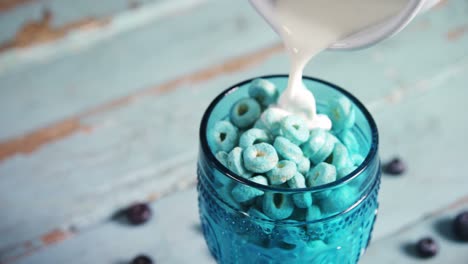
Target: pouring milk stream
310 26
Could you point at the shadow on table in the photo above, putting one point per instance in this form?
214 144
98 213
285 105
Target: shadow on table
409 249
198 228
444 228
119 217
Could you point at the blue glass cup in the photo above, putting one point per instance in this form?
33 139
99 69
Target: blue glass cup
335 229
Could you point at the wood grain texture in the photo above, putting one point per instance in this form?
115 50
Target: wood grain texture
174 236
116 150
42 99
425 130
137 177
70 15
400 246
41 31
6 5
30 142
64 12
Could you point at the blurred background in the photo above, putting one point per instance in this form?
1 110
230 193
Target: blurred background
100 104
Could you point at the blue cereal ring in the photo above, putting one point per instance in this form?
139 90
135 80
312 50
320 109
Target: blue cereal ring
295 129
319 146
261 125
253 136
298 181
245 112
263 221
282 172
357 159
287 150
225 195
349 140
235 164
313 213
222 156
243 193
341 114
316 245
303 165
260 158
341 157
223 136
342 172
338 200
270 120
289 234
336 238
322 173
263 91
277 206
301 200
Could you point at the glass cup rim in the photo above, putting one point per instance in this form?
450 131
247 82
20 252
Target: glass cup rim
213 161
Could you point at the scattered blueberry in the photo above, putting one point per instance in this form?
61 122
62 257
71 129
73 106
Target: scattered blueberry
142 259
395 167
427 247
460 226
138 213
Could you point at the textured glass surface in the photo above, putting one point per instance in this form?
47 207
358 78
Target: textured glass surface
340 234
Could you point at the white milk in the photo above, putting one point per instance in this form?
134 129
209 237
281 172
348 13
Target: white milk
310 26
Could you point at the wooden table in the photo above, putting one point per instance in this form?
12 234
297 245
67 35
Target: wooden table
100 105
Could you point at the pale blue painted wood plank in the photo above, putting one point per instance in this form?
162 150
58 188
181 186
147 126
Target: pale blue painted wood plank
63 12
126 158
80 30
121 161
13 19
100 166
36 94
75 150
425 130
399 248
65 86
172 236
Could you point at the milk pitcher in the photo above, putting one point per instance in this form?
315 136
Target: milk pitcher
365 37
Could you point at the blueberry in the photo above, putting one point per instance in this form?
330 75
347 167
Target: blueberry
460 226
427 247
142 259
395 167
138 213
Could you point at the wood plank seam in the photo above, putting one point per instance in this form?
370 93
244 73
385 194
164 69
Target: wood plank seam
153 197
75 226
58 235
13 253
397 94
28 143
6 5
457 33
420 86
55 41
41 31
437 212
